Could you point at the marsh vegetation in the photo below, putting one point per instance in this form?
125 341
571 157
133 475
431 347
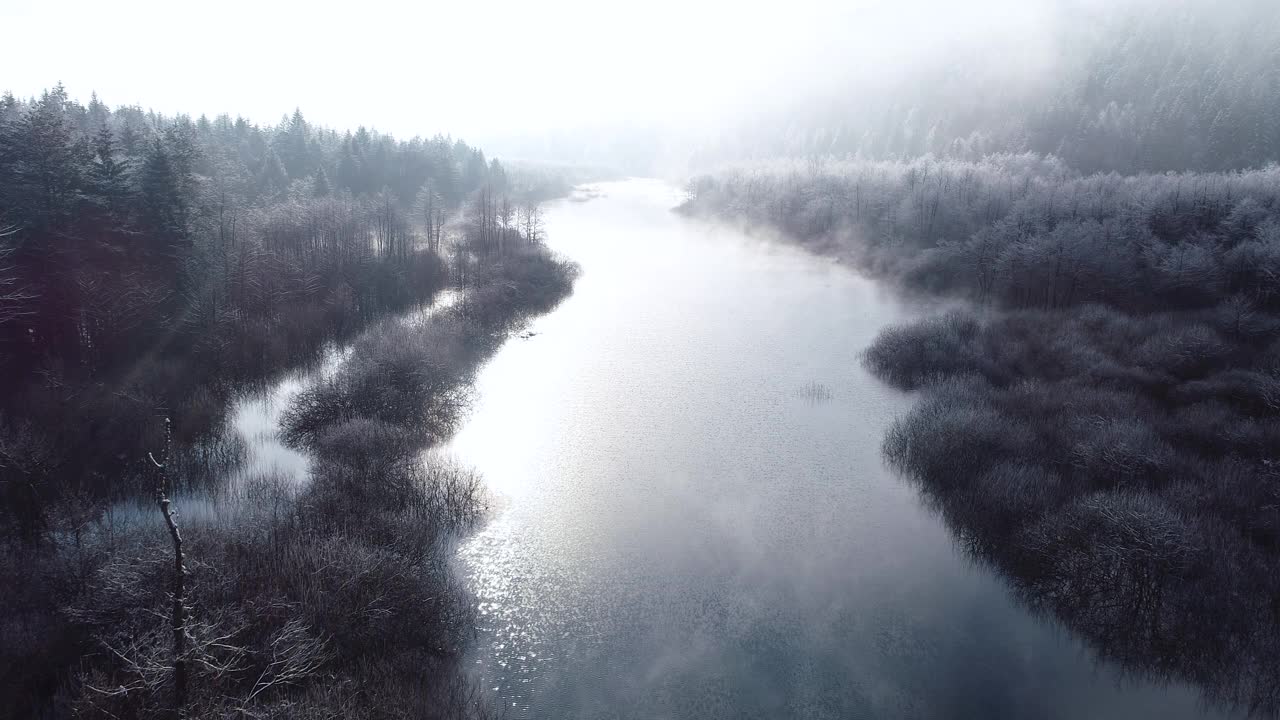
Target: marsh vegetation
158 268
1100 419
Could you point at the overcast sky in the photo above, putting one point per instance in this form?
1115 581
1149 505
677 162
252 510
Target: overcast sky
480 68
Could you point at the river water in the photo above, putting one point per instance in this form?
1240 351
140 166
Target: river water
693 518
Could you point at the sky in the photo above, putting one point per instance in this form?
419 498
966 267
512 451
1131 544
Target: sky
482 68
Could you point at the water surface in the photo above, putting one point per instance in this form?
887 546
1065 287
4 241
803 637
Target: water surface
694 518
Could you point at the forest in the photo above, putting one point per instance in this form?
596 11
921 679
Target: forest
153 269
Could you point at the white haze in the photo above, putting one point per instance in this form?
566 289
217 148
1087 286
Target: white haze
503 69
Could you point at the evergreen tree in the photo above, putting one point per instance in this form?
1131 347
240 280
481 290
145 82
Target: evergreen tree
475 172
293 150
497 176
163 209
320 184
131 141
99 113
45 162
8 106
272 177
109 178
348 168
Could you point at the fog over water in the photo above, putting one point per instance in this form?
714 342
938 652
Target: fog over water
675 359
693 518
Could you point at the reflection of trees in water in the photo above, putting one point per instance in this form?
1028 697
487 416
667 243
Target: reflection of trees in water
814 393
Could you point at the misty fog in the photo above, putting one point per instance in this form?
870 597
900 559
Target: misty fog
890 359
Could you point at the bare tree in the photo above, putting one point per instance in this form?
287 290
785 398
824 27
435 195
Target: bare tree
296 654
530 222
506 212
178 617
430 206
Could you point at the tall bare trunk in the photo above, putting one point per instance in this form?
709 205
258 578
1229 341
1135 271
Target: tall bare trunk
178 618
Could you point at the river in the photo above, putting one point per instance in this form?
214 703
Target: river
692 517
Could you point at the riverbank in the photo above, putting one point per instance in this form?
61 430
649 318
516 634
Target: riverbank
332 597
1101 424
73 451
687 525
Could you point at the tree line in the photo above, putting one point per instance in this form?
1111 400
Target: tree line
1024 230
148 263
114 209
